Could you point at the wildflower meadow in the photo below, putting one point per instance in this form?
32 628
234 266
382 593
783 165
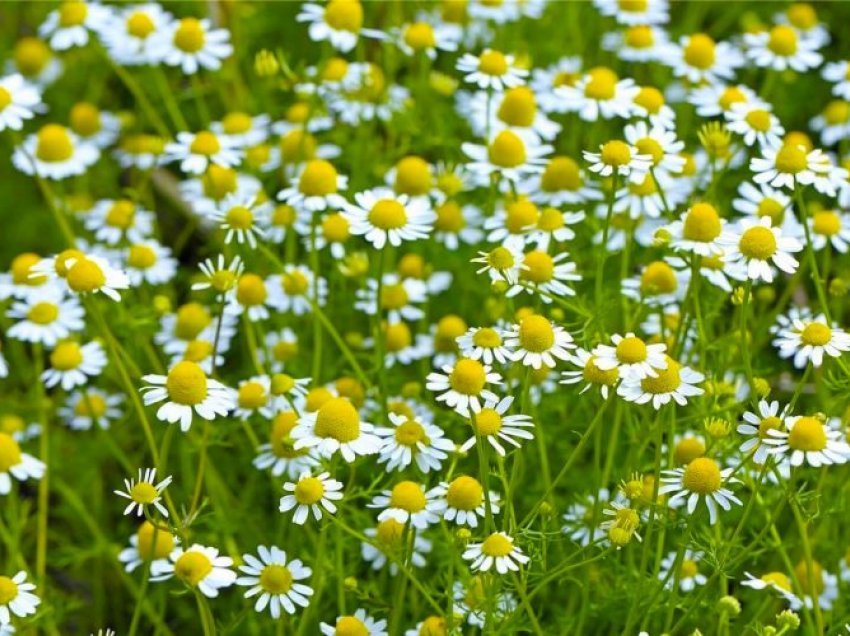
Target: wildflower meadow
424 318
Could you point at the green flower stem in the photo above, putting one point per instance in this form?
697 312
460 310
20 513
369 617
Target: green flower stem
810 252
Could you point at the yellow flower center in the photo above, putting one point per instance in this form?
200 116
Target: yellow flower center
410 433
688 569
335 227
72 14
702 223
294 283
85 119
500 259
658 278
10 452
218 182
5 98
768 424
536 334
616 153
650 98
43 313
90 405
236 123
550 220
54 144
731 95
758 243
602 84
771 208
449 218
565 78
561 173
837 112
791 159
279 438
541 267
465 493
595 375
198 350
783 40
649 146
66 356
631 349
700 51
413 176
151 548
433 626
309 491
140 25
31 56
8 590
507 150
337 418
802 15
468 377
449 328
409 496
189 36
335 69
397 337
316 398
702 476
805 577
644 188
667 380
318 179
497 545
388 214
758 119
633 6
393 297
826 222
85 276
816 334
344 15
808 434
778 579
143 493
121 214
239 218
487 338
186 383
488 422
492 63
192 319
192 567
419 35
141 257
639 37
518 107
687 450
252 395
519 215
283 216
276 579
251 290
350 626
205 143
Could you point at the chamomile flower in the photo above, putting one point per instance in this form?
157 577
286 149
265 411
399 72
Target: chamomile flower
129 34
187 390
565 72
243 219
149 262
253 396
311 494
491 70
562 182
833 123
515 109
140 150
45 318
279 454
789 165
816 584
513 155
697 231
198 151
719 99
114 220
72 364
336 427
423 37
411 439
497 550
88 406
491 423
69 25
252 297
776 581
408 502
807 439
633 358
192 44
150 544
839 74
755 123
464 384
536 341
358 623
17 464
635 13
485 344
295 290
198 567
688 575
18 101
475 605
757 425
503 263
699 59
589 373
782 48
457 224
675 382
761 200
553 226
546 275
382 217
339 22
316 187
54 152
702 479
275 579
220 275
17 598
616 157
89 274
600 94
388 542
464 503
144 492
830 227
761 247
808 339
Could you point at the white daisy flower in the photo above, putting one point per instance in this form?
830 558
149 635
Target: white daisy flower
422 37
398 298
316 187
198 567
698 230
833 123
89 274
14 463
600 94
632 358
279 453
782 48
700 479
545 276
807 439
537 341
485 344
45 318
18 102
339 22
786 166
389 538
699 59
464 501
358 623
491 424
220 276
760 246
311 494
497 550
718 99
776 581
144 492
382 217
463 384
491 70
839 74
676 382
72 365
511 154
830 227
336 427
638 43
150 544
54 152
89 406
243 130
243 219
275 579
129 34
757 426
411 439
114 220
187 390
408 502
808 339
688 574
69 25
197 151
192 44
149 262
635 13
562 182
17 598
503 263
755 123
589 373
618 157
294 291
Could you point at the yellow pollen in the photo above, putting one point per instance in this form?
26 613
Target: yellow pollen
777 579
85 119
43 313
520 215
768 424
141 257
805 577
198 350
388 214
335 228
837 112
8 590
595 375
449 218
393 297
5 98
413 176
602 84
344 15
783 40
192 567
771 208
616 153
66 356
397 337
791 159
731 95
316 398
337 418
550 220
687 450
561 173
465 493
488 422
492 63
497 545
816 334
648 146
433 626
251 290
236 123
808 434
449 328
335 69
487 338
518 107
507 150
72 13
283 216
702 223
294 283
192 319
419 36
252 395
205 143
658 278
54 144
121 214
31 56
143 493
468 377
541 267
350 625
758 242
650 98
276 579
631 349
219 181
758 119
633 6
536 334
189 36
639 37
700 51
140 25
10 452
279 438
309 491
688 569
90 405
239 218
667 380
500 259
826 222
802 15
410 433
151 548
318 179
702 476
186 383
409 496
